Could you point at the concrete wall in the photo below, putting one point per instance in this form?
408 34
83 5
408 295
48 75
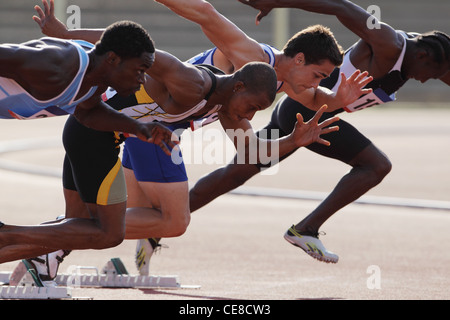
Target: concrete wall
185 39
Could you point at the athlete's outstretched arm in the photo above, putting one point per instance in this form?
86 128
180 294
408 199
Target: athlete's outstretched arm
381 37
303 134
185 83
96 114
239 49
224 34
52 27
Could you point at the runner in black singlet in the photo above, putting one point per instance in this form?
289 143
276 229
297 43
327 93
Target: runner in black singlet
391 57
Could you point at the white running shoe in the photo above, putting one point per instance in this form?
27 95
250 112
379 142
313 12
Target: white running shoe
47 265
144 251
311 245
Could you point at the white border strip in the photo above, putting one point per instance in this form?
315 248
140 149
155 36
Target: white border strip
320 196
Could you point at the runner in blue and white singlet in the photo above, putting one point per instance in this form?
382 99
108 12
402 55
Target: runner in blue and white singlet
16 103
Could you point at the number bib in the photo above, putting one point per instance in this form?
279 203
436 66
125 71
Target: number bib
377 97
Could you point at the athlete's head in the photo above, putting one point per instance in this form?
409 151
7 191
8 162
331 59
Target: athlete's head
431 56
129 51
314 53
254 89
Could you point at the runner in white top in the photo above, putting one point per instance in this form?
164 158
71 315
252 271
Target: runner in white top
391 57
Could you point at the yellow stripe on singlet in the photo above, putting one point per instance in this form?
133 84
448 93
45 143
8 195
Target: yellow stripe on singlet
113 187
142 96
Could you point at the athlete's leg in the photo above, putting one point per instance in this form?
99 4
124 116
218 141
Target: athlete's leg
75 233
219 182
98 176
369 164
158 204
169 215
369 167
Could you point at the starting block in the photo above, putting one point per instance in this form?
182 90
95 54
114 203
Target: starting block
28 289
113 275
34 293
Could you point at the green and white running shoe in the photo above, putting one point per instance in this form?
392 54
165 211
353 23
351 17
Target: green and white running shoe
44 269
144 251
311 245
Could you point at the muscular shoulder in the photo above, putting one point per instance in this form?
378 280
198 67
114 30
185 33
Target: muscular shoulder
49 56
45 66
377 57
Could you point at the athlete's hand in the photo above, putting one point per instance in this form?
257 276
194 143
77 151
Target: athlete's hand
158 134
352 88
264 7
306 133
47 21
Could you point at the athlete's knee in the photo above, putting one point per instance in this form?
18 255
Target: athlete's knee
380 166
105 240
178 224
383 167
179 227
375 163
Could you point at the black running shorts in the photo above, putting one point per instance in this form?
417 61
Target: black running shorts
345 143
92 165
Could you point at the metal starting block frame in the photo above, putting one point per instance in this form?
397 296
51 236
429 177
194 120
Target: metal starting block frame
28 290
114 275
35 293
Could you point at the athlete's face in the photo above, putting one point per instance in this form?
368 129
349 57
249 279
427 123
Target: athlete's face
304 76
244 104
129 74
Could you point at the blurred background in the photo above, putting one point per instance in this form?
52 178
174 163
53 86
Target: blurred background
185 39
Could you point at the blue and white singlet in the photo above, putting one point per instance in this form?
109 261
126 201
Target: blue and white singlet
16 103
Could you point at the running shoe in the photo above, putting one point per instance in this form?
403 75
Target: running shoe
144 251
311 245
32 271
46 267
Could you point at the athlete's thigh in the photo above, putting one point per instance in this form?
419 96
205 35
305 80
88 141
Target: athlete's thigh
346 143
136 196
75 206
111 217
172 198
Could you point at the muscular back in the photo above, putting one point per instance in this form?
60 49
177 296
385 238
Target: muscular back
44 67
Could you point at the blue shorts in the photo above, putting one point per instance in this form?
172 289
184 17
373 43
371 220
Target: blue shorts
150 163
